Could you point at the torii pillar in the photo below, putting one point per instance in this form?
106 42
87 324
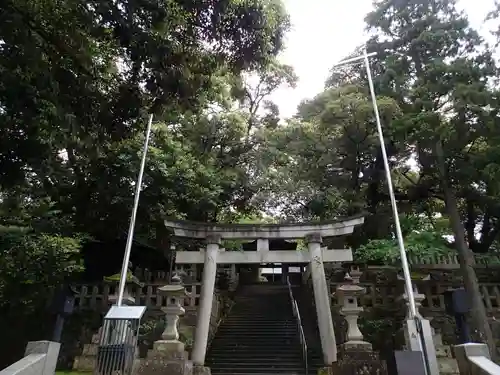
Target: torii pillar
323 308
206 300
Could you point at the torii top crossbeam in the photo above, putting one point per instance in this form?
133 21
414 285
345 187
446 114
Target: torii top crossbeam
264 231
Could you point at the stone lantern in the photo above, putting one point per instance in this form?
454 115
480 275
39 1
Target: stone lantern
168 355
174 294
348 298
356 355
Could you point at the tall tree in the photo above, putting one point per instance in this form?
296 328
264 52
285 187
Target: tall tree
318 165
436 67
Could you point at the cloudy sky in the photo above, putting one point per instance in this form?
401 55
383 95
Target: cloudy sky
325 31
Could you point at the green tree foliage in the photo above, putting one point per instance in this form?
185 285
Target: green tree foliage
425 238
78 79
32 265
323 162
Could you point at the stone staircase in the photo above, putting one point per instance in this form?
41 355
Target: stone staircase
259 336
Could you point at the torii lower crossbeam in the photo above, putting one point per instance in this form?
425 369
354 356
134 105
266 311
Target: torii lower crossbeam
260 257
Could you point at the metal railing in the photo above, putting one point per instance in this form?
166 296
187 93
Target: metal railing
300 328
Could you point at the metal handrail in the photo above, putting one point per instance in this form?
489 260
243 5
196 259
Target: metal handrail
300 328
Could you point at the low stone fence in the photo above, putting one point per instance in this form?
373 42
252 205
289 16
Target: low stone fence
474 359
95 296
384 295
40 358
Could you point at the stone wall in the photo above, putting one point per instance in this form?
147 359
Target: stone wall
383 292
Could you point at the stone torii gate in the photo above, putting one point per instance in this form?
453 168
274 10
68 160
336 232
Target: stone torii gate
313 233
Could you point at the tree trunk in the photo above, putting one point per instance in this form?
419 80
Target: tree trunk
480 323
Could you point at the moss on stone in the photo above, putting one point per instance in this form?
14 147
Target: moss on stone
116 278
324 371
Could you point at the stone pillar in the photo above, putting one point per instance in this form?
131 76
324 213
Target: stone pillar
306 274
284 273
206 300
233 283
322 300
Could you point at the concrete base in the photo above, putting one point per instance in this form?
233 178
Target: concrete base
448 366
201 370
414 343
168 357
446 363
362 346
162 366
171 349
357 357
326 371
84 363
88 360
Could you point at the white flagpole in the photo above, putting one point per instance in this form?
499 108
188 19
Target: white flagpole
404 260
399 234
130 236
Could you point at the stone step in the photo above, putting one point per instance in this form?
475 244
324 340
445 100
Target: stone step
255 323
299 370
265 373
232 334
285 336
252 365
251 346
273 357
250 350
267 307
259 336
262 312
311 372
288 317
280 319
283 347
